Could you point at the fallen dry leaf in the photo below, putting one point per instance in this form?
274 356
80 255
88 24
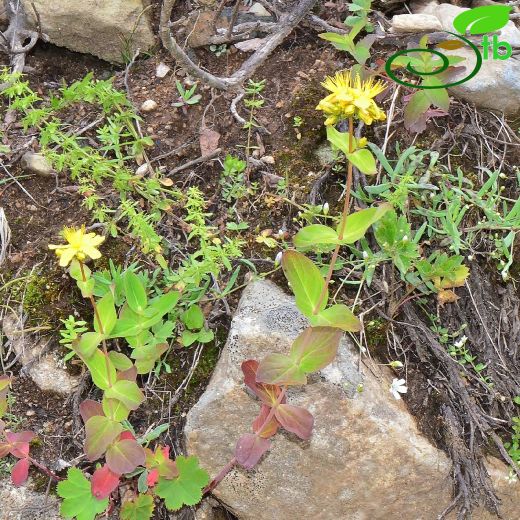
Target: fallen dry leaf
208 141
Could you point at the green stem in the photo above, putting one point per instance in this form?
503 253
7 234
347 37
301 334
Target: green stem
344 216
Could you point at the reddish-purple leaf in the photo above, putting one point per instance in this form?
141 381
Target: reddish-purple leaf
269 429
278 369
295 419
89 408
315 348
127 435
250 448
268 394
104 481
19 443
20 472
124 456
100 432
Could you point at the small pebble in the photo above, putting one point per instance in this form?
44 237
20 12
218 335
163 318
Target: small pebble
268 159
148 106
161 70
30 413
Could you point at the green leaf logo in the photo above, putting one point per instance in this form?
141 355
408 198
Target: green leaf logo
484 19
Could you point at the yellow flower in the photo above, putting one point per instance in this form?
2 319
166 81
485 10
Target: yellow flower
351 98
80 245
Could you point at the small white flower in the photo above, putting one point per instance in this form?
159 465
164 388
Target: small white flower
511 478
470 257
503 176
278 259
461 342
396 364
326 208
365 255
405 238
398 387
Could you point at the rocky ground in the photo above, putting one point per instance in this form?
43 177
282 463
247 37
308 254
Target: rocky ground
370 456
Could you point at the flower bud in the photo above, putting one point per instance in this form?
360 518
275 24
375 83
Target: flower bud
326 208
278 259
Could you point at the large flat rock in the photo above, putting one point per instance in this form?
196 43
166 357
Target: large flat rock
366 459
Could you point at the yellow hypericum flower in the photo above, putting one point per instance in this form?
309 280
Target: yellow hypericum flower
80 245
351 98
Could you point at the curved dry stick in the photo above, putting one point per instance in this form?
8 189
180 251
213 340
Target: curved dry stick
288 22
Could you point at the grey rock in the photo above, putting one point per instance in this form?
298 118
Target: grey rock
412 23
107 29
38 361
23 503
250 45
36 163
365 460
259 10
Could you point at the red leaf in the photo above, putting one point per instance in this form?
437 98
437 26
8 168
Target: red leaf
88 408
124 456
127 435
20 472
19 443
152 477
268 394
250 448
104 481
295 419
270 428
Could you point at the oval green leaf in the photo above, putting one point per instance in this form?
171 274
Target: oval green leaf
316 236
339 316
356 225
364 161
135 292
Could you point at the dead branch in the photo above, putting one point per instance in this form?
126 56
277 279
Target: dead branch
288 22
198 160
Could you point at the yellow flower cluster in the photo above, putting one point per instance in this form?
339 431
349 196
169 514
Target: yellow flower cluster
79 245
351 98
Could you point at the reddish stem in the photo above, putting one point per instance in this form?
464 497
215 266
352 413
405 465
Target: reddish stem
44 469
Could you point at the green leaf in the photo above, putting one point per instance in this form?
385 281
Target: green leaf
120 360
101 369
127 392
315 348
87 344
339 316
438 96
145 357
187 488
107 314
75 270
363 160
316 236
306 282
100 432
356 225
189 337
115 409
86 288
138 508
135 292
343 42
483 19
193 318
341 140
278 369
78 501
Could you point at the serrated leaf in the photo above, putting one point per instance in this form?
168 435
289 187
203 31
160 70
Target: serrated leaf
103 482
100 432
339 316
316 236
124 456
315 348
356 224
187 488
483 19
107 314
127 392
138 508
78 501
135 292
250 448
278 369
306 282
295 419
